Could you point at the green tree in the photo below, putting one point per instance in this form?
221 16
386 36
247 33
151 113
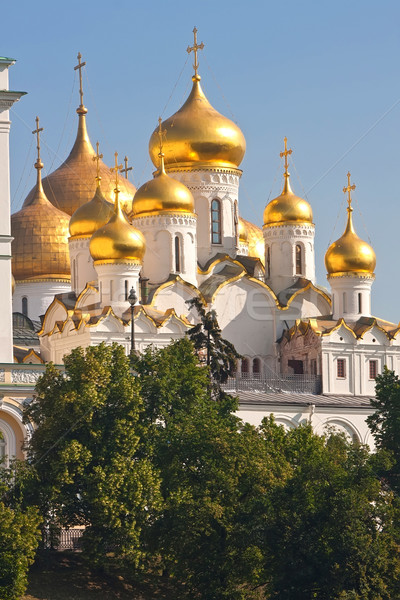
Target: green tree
330 527
213 350
213 470
19 538
87 454
384 423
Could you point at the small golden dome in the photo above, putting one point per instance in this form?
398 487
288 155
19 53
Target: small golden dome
287 208
117 241
162 194
199 136
350 254
40 246
89 217
73 183
243 236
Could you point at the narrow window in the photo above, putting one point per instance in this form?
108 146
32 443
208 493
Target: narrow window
126 289
236 224
25 306
256 367
216 222
313 365
373 369
360 303
245 367
101 291
111 289
341 368
268 261
299 259
177 255
344 303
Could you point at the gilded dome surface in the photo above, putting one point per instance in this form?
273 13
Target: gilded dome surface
40 245
287 208
89 217
255 240
199 136
73 183
350 254
162 194
117 241
242 231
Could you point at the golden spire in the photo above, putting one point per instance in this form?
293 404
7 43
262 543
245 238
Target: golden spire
117 169
194 49
126 167
82 110
38 163
97 157
161 132
285 154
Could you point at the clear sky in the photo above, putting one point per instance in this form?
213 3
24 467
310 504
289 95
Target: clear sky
325 74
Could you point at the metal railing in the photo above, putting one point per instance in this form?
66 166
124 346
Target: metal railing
68 539
300 384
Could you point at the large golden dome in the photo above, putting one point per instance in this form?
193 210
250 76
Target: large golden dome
199 136
243 235
117 241
162 194
255 239
350 254
73 183
40 232
89 217
287 208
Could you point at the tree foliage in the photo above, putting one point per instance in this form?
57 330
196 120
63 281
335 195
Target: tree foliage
87 454
216 352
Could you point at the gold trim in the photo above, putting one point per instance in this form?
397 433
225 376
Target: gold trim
117 261
226 257
203 167
172 282
363 274
309 286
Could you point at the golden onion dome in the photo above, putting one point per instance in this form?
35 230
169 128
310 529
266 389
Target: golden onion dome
73 183
89 217
255 240
350 254
199 136
287 208
117 241
162 194
40 245
243 236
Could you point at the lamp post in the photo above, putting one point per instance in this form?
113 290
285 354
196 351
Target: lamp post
132 299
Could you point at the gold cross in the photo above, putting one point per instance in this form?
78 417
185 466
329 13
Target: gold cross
161 133
348 189
195 48
80 67
97 157
285 154
117 169
37 131
126 167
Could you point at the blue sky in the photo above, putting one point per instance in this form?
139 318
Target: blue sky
325 74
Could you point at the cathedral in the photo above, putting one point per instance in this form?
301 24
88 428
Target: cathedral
90 259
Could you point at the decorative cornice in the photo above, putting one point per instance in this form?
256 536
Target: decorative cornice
351 275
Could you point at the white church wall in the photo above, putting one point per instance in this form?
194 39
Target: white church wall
39 295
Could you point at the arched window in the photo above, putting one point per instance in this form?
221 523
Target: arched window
216 222
111 289
245 367
236 224
299 259
177 254
256 367
126 290
268 261
25 306
344 302
360 303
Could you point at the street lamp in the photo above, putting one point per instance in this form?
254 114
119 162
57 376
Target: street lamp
132 299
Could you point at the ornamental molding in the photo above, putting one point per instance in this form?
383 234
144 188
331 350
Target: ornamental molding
25 376
6 104
2 375
149 221
200 179
350 275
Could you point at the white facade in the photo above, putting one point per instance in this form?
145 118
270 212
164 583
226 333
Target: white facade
289 254
351 295
171 246
32 298
82 267
115 281
207 185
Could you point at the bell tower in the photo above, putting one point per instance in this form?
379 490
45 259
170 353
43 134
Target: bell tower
7 99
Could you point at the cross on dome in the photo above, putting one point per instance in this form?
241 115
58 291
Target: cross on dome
117 169
79 67
97 158
285 154
126 167
348 190
38 163
194 49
